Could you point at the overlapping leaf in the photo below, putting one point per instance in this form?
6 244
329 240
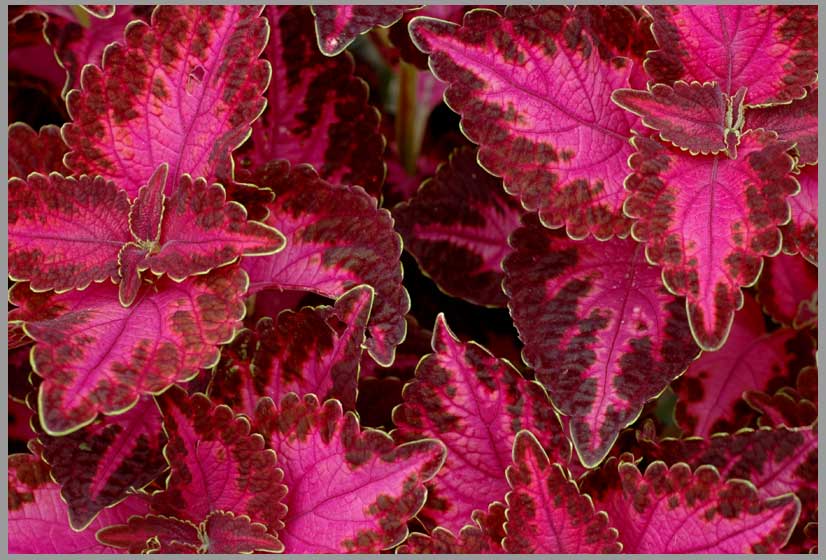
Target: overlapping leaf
457 226
795 121
338 26
183 89
800 234
483 536
31 151
771 50
95 356
341 240
535 95
787 290
475 404
601 332
350 490
709 220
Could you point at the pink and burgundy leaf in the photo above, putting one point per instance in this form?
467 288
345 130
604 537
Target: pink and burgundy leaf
231 382
65 233
95 356
795 407
153 533
483 536
546 513
31 151
771 50
795 121
338 26
709 220
342 240
800 234
510 80
787 290
350 490
600 330
183 89
475 404
457 226
147 211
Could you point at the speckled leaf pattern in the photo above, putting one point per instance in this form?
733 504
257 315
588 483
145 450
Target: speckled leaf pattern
546 513
182 90
800 234
341 240
795 121
483 536
709 394
599 329
679 511
350 490
31 151
787 290
65 233
317 109
535 96
95 356
96 466
338 26
475 404
457 226
771 50
709 220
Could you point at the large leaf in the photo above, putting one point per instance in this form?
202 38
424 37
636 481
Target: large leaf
457 226
95 356
341 239
709 220
182 90
475 404
338 26
709 394
678 511
317 109
771 50
483 536
351 490
787 290
535 96
546 513
800 235
601 332
795 121
65 233
98 465
31 151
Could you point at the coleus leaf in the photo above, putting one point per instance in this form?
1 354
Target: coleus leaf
342 240
95 356
483 536
787 290
97 466
31 151
709 395
37 515
771 50
461 217
695 117
793 407
510 81
795 121
709 220
183 89
800 234
318 110
351 490
338 26
65 232
601 332
677 511
475 404
314 350
546 513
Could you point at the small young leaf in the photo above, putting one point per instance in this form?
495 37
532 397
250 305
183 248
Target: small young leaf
147 209
800 234
795 122
484 536
154 533
338 26
793 407
31 151
787 290
226 533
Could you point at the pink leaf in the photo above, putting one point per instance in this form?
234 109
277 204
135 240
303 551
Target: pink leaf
338 26
350 490
528 86
483 536
147 209
227 533
131 263
31 151
457 226
341 240
771 50
601 332
95 356
787 290
709 220
155 533
546 513
65 233
677 511
800 235
475 404
182 90
795 122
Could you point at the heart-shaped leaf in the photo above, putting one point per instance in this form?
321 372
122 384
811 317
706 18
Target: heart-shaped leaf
183 90
557 141
457 226
342 240
800 235
475 404
709 220
31 151
771 50
795 122
95 356
546 513
65 233
350 490
338 26
787 290
483 536
600 330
